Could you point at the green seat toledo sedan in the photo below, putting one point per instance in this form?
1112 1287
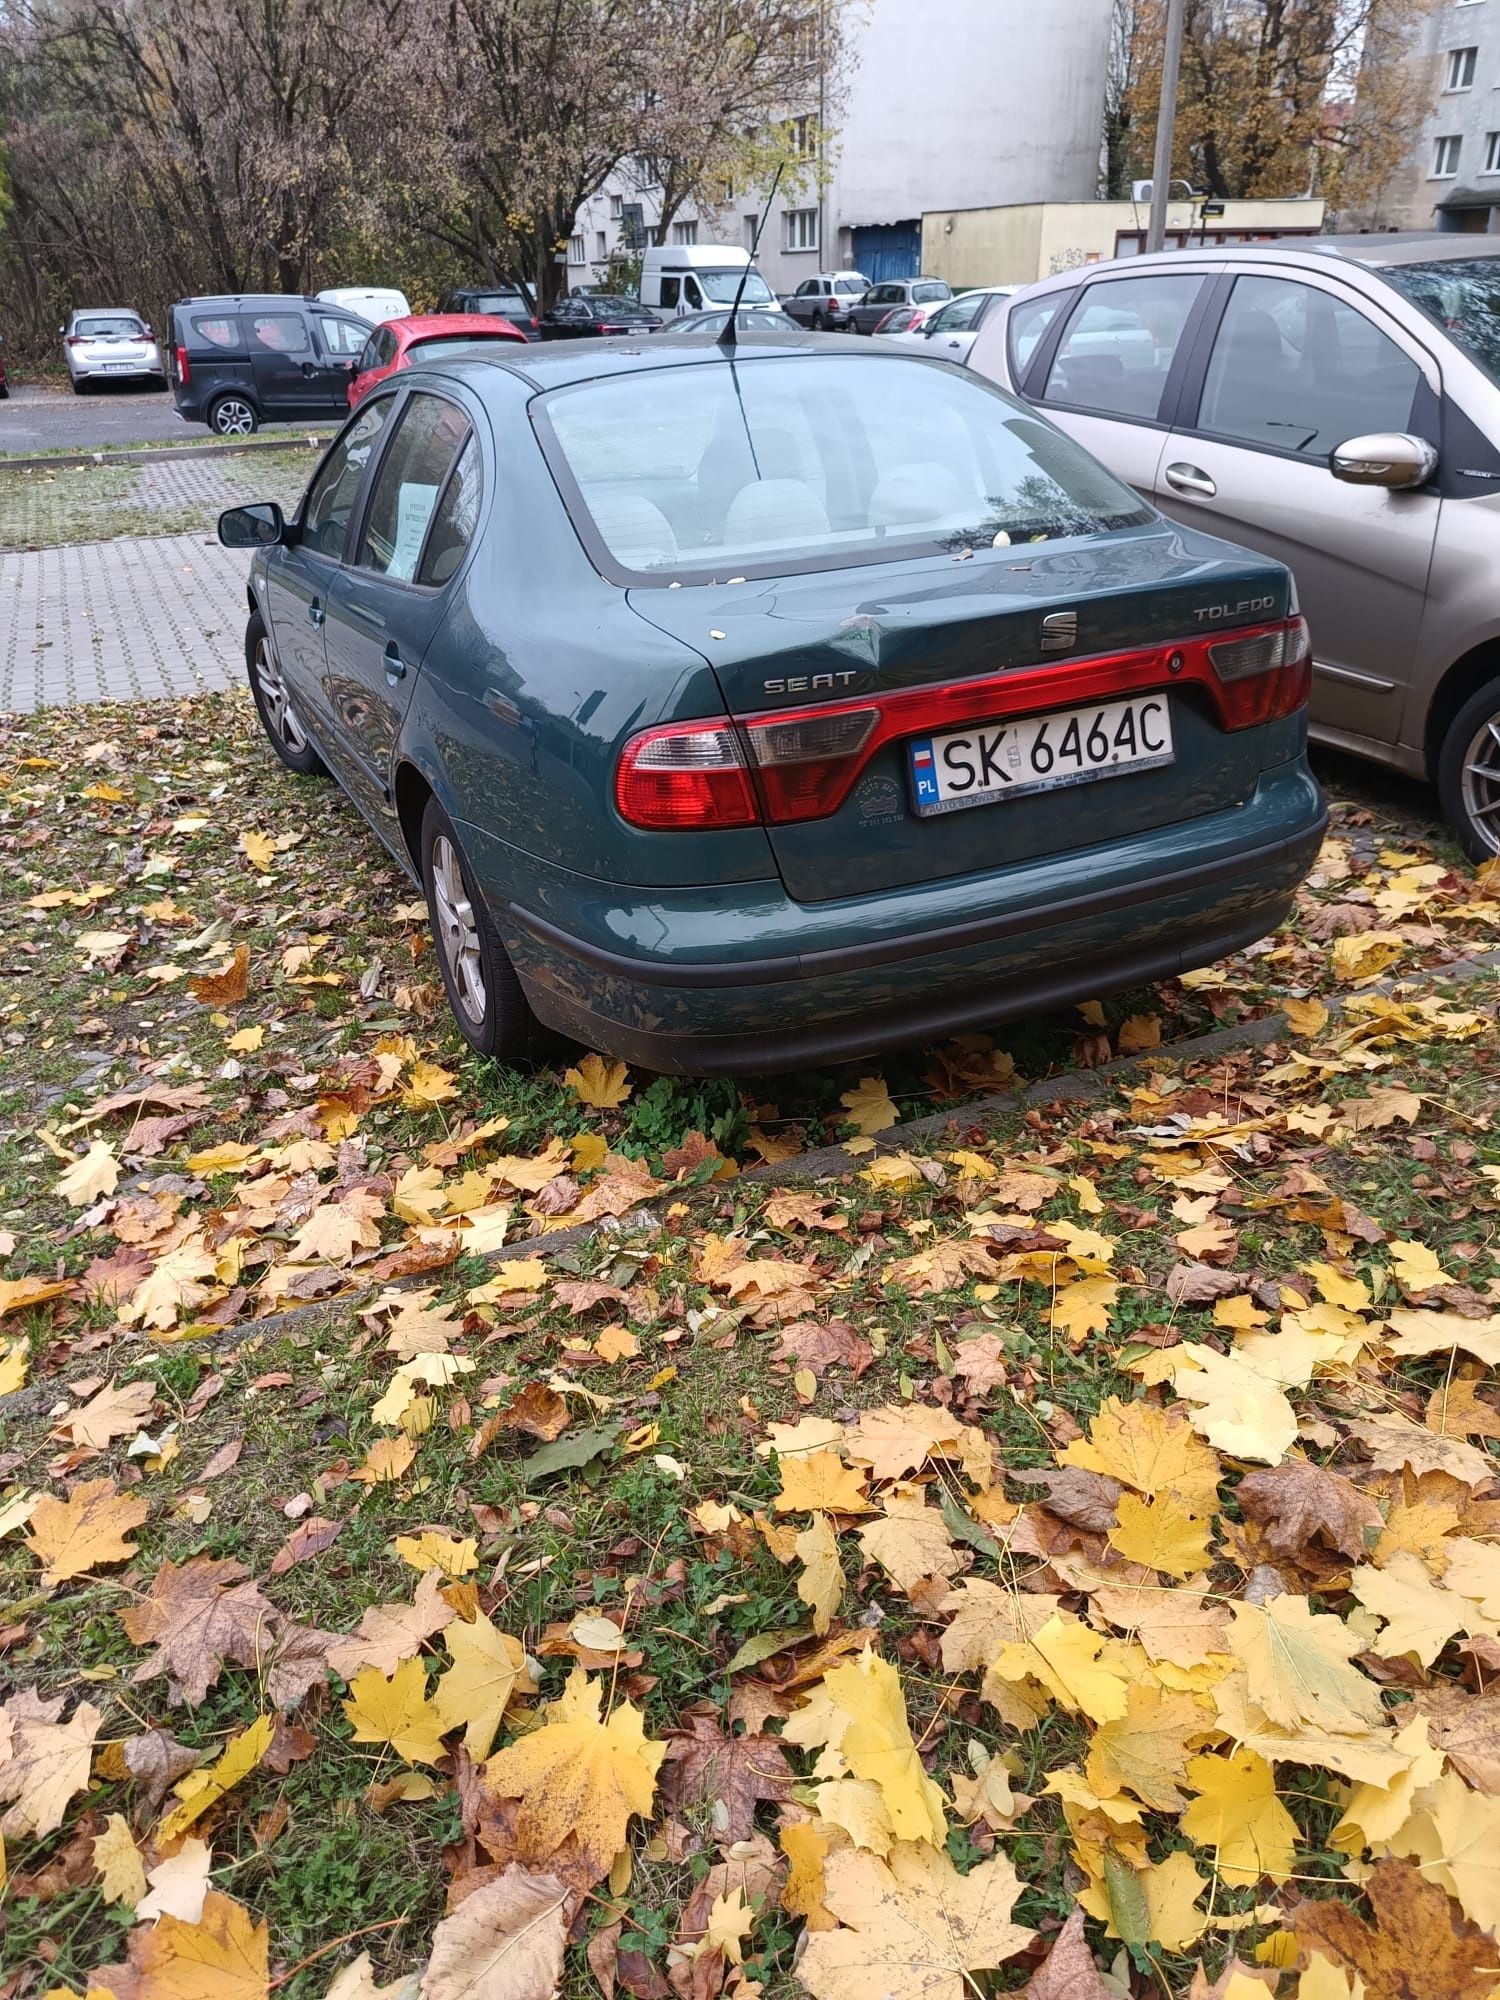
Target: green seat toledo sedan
747 707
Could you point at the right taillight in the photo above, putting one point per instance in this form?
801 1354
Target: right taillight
1263 675
184 373
685 776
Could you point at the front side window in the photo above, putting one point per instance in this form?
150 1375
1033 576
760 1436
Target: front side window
721 287
1295 369
671 292
1445 153
369 358
331 497
281 333
408 485
812 462
959 313
343 336
1119 344
690 293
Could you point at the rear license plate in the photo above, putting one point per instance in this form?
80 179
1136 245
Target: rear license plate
1039 753
120 367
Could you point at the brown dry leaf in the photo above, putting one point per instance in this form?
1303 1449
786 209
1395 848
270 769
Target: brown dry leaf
913 1927
1298 1504
804 1208
1458 1410
308 1538
980 1363
1395 1444
1420 1942
730 1774
391 1633
156 1760
947 1265
820 1344
1069 1971
200 1616
226 1956
536 1409
46 1761
226 987
111 1414
73 1536
910 1541
505 1941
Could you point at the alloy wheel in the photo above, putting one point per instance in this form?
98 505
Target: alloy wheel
280 712
457 931
232 418
1481 782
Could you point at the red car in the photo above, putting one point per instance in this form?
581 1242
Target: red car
402 343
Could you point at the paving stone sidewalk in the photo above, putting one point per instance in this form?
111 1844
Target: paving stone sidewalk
132 620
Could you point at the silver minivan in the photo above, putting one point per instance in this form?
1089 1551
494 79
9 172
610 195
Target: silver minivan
1334 402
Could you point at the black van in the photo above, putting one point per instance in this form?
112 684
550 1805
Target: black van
238 362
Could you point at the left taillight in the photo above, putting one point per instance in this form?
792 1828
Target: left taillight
685 777
1263 676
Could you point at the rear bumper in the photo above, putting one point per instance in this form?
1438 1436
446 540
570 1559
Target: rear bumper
910 965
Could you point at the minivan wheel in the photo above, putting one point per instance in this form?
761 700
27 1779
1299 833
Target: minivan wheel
1469 773
481 984
232 416
274 705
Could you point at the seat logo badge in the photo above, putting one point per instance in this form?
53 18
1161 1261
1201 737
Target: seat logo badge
1059 631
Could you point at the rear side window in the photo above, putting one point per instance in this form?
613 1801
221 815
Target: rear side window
408 486
1117 348
1025 328
331 497
794 461
278 333
217 330
454 523
1294 369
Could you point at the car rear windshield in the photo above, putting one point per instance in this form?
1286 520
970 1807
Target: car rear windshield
809 462
721 286
499 302
1463 297
98 324
449 343
850 288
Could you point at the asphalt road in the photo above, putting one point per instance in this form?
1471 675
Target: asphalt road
35 419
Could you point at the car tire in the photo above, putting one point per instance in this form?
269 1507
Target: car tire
273 704
478 977
232 416
1468 773
78 384
817 322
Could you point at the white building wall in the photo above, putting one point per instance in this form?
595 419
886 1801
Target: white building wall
949 104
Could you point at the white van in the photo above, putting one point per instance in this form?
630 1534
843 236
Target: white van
679 278
372 302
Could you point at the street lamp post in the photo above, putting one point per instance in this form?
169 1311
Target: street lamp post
1166 119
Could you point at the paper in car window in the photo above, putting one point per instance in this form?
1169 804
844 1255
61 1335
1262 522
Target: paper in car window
414 505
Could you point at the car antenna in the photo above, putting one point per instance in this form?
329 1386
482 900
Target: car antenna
730 336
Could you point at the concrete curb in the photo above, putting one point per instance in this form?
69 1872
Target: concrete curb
1071 1086
150 455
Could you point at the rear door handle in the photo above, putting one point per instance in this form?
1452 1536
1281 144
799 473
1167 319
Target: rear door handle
1190 479
316 612
395 666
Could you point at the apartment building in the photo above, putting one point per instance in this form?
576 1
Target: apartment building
1452 180
949 104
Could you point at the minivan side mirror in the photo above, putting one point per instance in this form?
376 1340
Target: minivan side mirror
1384 458
259 526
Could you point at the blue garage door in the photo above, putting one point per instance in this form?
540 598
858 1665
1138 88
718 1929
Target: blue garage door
889 250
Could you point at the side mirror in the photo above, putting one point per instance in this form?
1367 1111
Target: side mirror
1384 458
258 526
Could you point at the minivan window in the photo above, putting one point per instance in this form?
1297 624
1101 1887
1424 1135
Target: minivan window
721 287
407 486
331 497
282 333
1118 347
223 330
1295 369
813 462
1463 298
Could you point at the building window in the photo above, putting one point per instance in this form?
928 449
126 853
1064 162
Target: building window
802 137
601 247
1445 157
684 232
1461 69
616 207
575 250
752 223
1492 152
801 226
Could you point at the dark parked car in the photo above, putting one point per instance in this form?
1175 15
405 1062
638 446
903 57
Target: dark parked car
656 668
867 313
597 315
512 302
243 360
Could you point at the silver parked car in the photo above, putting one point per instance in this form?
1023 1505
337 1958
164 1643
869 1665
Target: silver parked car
102 346
866 313
948 331
1334 402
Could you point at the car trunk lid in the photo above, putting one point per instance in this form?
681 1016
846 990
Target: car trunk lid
940 646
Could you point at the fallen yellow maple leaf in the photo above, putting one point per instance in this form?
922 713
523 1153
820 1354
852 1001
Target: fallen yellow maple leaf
204 1787
599 1084
1238 1813
489 1666
394 1709
85 1531
876 1744
870 1105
